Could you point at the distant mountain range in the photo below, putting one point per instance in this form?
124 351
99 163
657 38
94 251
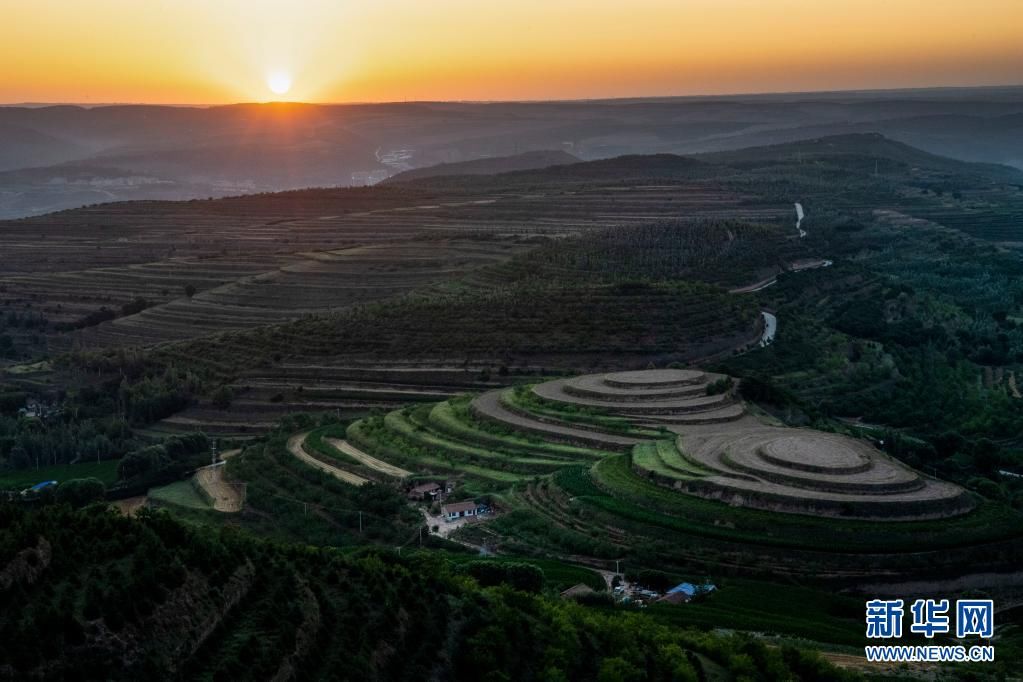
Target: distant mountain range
56 157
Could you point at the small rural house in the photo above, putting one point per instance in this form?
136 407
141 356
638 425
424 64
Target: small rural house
457 510
424 491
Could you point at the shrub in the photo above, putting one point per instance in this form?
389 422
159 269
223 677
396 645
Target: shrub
136 306
222 397
79 492
759 390
520 576
722 385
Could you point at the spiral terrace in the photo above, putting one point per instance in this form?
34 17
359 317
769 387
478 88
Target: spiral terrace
723 453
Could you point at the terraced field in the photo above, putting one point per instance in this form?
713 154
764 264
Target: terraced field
449 438
721 454
303 284
690 479
265 394
250 259
203 270
296 446
807 472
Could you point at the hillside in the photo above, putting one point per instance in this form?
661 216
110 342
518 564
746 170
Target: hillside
23 147
493 166
494 332
149 273
620 170
92 595
853 149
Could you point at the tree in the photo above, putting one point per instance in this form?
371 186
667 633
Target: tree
222 397
617 669
79 492
190 290
136 306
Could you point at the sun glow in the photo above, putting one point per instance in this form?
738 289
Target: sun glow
279 82
197 51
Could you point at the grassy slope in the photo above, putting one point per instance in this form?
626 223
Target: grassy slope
104 471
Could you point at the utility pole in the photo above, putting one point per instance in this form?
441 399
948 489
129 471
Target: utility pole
360 525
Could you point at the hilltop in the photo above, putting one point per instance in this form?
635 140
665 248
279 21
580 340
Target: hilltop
491 166
852 150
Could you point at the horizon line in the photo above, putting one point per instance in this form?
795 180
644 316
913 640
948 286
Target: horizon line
727 95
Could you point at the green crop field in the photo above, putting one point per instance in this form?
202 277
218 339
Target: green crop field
179 494
771 608
558 575
104 471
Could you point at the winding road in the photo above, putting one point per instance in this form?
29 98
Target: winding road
770 328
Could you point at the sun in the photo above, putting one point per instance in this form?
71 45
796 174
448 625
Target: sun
279 82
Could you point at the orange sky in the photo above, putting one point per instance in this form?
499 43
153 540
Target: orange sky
218 51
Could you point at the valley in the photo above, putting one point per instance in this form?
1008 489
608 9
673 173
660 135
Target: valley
628 362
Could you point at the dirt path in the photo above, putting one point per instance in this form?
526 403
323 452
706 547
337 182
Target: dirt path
296 446
444 527
756 286
1013 387
130 506
369 460
227 497
861 664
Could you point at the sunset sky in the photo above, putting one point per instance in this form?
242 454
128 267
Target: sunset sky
219 51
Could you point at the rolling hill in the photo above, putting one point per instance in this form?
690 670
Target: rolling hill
493 166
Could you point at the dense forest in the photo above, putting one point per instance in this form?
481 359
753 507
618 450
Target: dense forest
89 594
916 333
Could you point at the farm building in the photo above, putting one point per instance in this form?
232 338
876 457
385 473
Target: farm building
457 510
424 491
674 598
683 592
576 591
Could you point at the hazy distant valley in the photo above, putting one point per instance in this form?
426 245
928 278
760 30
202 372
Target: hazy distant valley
59 157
